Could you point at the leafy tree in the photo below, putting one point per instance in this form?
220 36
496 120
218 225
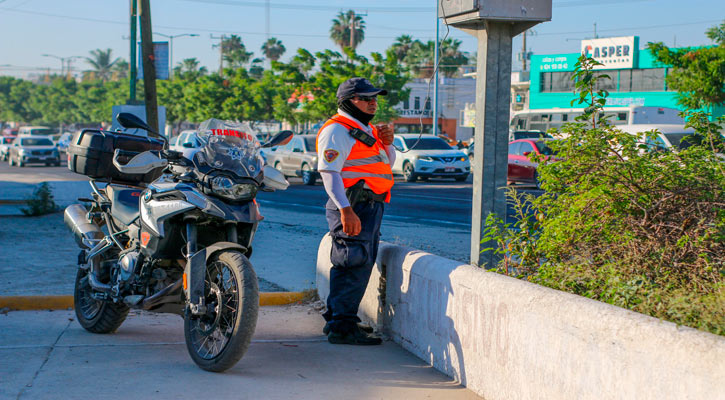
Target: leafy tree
102 62
699 72
256 68
235 52
341 29
624 222
273 49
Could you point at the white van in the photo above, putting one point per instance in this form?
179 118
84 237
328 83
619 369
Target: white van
670 135
543 119
36 130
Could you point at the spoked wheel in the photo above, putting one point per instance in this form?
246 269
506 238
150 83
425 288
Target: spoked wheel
220 337
94 315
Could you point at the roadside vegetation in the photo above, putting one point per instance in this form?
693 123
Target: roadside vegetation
625 222
41 202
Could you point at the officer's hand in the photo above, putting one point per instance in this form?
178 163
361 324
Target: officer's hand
386 134
350 222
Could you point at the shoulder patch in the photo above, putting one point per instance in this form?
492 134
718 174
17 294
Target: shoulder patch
331 155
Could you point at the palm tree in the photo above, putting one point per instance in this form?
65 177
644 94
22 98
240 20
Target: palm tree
340 30
189 67
102 63
119 70
402 46
235 53
273 49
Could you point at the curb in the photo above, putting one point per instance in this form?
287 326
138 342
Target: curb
28 303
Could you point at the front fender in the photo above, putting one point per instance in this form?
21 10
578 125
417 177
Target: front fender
195 271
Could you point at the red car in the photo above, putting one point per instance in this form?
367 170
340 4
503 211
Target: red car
520 168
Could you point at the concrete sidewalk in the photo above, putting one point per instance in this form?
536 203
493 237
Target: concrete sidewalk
47 355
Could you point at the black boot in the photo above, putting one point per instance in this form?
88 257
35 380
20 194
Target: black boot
355 337
363 327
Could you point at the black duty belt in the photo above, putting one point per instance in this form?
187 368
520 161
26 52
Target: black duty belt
358 194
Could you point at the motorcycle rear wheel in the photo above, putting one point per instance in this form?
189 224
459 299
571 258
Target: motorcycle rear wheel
95 316
217 340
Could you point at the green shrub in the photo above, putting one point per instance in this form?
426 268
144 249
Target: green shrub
622 222
41 202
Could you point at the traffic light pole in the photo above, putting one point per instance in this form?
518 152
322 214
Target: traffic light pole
133 74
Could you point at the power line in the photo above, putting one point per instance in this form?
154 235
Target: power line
304 7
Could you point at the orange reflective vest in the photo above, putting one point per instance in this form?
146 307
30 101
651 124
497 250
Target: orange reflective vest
367 163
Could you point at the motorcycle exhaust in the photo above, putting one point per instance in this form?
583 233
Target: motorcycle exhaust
83 230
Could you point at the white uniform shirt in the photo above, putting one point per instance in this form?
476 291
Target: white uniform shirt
335 143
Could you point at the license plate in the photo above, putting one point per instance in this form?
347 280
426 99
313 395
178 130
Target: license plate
450 169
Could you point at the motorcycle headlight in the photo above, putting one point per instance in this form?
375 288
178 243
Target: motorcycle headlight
227 188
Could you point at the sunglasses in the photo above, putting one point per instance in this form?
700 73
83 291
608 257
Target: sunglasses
367 98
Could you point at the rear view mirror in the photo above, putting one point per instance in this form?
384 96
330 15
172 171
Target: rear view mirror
526 153
281 138
128 120
273 179
188 145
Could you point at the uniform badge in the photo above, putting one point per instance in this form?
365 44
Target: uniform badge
331 155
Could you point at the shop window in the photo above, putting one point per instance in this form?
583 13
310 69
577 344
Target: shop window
557 81
609 84
642 80
417 103
406 104
427 103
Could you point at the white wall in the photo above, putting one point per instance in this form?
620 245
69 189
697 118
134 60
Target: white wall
508 339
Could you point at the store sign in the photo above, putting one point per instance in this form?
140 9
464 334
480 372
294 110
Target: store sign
414 113
617 52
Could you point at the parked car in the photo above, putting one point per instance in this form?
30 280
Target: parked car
296 158
63 142
33 149
431 157
516 135
187 142
5 142
520 168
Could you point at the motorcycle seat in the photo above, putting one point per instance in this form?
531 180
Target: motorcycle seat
124 203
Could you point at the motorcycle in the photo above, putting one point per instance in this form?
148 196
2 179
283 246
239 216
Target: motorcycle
171 234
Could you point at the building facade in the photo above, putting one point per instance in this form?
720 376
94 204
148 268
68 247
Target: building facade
636 78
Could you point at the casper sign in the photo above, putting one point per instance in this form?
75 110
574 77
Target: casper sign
618 52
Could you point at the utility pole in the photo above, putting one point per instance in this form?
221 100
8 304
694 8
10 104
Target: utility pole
221 52
523 53
435 76
266 14
149 69
133 73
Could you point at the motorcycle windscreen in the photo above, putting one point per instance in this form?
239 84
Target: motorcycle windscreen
228 146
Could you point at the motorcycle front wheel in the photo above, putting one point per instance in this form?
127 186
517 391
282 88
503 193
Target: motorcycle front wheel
219 338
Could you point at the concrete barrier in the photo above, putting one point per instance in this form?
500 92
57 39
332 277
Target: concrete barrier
509 339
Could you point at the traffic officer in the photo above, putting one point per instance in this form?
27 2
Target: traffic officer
354 160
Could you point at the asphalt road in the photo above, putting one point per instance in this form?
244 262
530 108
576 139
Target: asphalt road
436 202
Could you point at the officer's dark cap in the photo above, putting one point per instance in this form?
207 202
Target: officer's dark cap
358 86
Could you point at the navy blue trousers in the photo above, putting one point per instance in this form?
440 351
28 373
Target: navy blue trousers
352 259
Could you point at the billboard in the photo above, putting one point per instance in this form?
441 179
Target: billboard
161 60
614 53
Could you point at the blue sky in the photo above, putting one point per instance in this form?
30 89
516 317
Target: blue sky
64 28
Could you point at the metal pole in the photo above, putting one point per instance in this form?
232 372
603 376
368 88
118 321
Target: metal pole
493 98
435 76
171 56
133 72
